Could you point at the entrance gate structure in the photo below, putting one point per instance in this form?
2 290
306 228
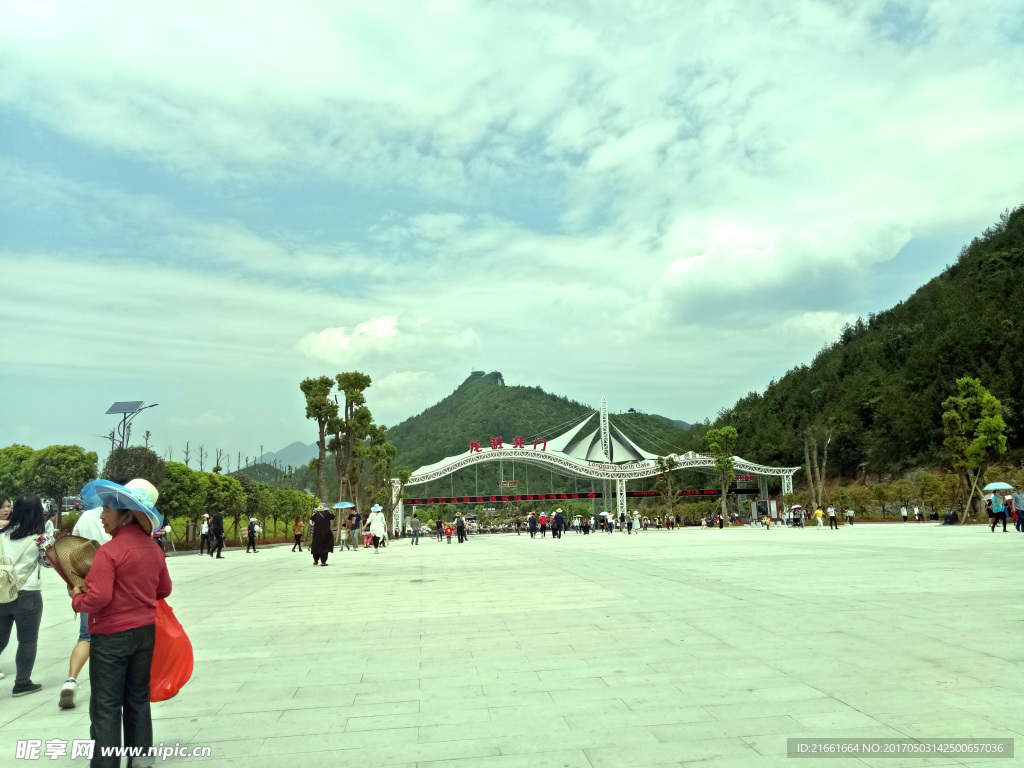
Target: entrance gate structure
593 449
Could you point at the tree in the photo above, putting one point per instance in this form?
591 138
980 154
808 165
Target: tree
349 427
226 492
12 469
668 480
251 489
382 455
202 458
861 497
883 494
975 433
722 443
187 453
321 408
182 492
132 463
57 470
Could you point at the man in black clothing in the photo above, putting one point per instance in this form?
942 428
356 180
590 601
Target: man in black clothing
217 531
460 527
557 524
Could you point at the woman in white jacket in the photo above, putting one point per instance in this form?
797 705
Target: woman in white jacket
376 525
23 542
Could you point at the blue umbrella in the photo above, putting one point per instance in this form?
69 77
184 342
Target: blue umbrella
998 487
344 505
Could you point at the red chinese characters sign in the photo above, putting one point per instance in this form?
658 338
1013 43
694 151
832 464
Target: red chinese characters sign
498 444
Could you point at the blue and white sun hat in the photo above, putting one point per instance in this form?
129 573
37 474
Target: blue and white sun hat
376 508
139 500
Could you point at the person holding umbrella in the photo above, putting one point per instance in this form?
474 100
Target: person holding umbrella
1018 506
998 503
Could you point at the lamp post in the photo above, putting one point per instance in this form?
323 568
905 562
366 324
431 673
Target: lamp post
128 411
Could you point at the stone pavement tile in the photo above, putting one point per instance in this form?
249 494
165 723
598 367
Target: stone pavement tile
545 739
819 706
679 752
341 713
773 761
521 728
416 719
334 741
637 718
555 758
824 721
752 726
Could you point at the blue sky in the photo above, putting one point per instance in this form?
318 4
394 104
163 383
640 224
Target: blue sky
669 205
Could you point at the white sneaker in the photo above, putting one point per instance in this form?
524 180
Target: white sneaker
67 694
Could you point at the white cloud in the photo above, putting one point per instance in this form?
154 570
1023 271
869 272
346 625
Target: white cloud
585 189
381 339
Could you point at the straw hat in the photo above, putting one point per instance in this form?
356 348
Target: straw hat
71 557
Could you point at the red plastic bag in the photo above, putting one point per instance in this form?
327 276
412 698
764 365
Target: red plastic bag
172 655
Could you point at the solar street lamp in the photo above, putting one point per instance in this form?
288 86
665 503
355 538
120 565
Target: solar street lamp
128 410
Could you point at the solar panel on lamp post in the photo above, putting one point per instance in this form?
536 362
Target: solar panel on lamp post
128 409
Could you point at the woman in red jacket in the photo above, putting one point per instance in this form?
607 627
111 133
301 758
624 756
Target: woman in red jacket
127 577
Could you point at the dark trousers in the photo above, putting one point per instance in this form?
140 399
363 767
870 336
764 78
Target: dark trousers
556 533
119 674
833 523
220 546
252 543
206 543
298 542
462 534
25 612
996 518
1019 523
319 558
543 530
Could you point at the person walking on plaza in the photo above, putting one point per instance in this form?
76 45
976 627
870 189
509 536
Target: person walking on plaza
440 529
832 522
121 590
22 544
251 533
355 526
460 527
903 512
849 516
322 543
448 532
998 512
297 528
1018 505
531 525
217 530
415 524
818 515
636 521
377 526
543 520
205 544
557 524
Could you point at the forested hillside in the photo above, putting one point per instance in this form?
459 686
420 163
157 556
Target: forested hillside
878 391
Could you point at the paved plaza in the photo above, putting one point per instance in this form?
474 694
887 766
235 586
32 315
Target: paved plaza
691 647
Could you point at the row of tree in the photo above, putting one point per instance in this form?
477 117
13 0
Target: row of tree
364 460
50 473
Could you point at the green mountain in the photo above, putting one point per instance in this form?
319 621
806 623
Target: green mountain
483 407
880 386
